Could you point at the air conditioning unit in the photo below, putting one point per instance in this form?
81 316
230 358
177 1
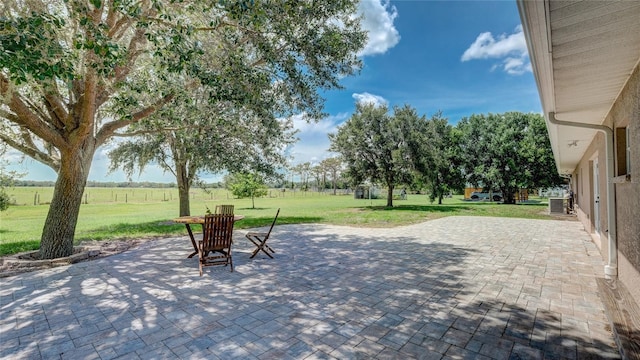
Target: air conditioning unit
556 205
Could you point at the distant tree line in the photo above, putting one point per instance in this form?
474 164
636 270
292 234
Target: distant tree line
499 152
113 184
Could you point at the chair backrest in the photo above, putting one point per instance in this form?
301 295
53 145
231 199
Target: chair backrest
224 209
273 223
217 231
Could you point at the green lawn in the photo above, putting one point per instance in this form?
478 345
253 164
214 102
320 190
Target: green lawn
148 212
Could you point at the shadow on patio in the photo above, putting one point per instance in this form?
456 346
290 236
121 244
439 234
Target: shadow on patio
331 292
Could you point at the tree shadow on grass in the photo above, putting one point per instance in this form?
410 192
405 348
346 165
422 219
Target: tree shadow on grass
255 222
169 228
128 230
18 247
426 208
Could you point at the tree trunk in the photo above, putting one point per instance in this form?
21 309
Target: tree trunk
389 196
509 199
183 189
334 184
507 196
183 196
60 225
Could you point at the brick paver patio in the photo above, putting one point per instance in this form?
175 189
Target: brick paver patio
453 288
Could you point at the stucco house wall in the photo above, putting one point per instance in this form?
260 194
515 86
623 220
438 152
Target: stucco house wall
624 113
583 177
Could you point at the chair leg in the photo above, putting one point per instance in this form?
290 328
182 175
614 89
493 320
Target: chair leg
266 252
262 247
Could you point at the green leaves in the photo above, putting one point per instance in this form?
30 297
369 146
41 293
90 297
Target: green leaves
88 69
30 49
507 151
377 146
246 185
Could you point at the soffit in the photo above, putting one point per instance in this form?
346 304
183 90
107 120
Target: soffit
583 53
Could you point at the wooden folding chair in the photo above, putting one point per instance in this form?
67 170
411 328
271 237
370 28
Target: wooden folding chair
224 209
259 239
215 246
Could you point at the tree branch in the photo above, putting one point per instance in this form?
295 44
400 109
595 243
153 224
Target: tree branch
32 152
27 118
145 132
57 109
133 53
110 128
87 116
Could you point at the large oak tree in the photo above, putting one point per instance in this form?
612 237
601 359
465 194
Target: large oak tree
194 136
507 152
441 164
73 73
378 146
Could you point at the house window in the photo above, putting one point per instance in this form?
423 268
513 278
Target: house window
628 150
623 150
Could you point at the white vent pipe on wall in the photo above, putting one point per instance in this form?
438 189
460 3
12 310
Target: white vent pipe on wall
611 269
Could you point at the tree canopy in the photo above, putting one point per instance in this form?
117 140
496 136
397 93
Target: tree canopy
246 185
379 147
441 171
192 137
505 152
509 152
75 73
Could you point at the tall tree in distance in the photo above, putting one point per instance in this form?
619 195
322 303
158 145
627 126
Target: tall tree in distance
333 165
319 173
194 136
246 185
507 152
444 163
377 146
73 73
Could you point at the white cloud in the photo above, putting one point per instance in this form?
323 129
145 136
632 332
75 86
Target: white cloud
313 143
365 97
377 21
517 66
510 49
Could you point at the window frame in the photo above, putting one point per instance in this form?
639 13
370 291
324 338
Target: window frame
628 150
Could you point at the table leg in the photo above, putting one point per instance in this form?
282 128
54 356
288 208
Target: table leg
193 241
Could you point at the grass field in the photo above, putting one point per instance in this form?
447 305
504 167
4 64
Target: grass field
117 213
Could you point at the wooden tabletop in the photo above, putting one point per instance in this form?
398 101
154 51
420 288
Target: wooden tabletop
199 219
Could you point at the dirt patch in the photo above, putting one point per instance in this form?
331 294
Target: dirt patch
560 216
90 250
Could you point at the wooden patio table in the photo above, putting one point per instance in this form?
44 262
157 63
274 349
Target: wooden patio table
188 220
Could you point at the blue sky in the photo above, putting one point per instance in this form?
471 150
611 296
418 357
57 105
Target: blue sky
460 57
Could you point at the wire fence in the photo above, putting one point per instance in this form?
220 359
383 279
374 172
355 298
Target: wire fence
96 195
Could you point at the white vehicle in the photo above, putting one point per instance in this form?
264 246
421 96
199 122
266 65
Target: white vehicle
496 196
